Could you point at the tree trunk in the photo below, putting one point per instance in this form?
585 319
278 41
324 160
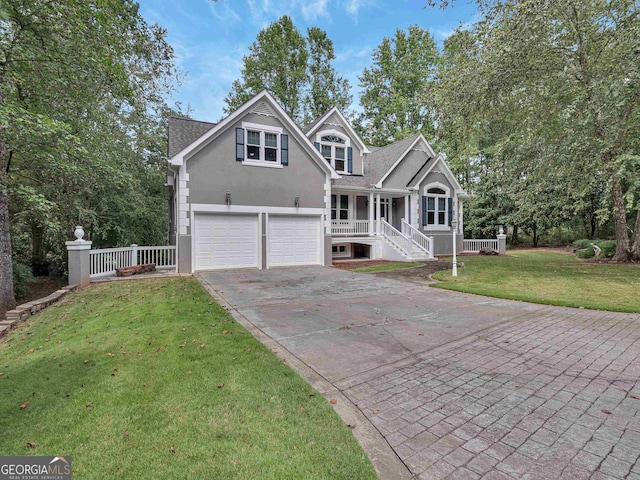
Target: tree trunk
635 247
514 235
7 300
620 221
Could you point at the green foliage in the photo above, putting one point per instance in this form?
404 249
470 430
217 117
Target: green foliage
21 277
83 119
586 250
397 97
552 90
296 70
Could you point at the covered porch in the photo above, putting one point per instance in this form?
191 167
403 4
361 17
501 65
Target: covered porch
359 213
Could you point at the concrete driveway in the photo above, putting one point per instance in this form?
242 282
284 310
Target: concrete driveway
460 386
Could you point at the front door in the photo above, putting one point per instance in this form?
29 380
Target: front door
385 210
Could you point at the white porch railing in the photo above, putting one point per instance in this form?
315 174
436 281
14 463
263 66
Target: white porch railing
405 244
104 261
479 244
350 227
419 239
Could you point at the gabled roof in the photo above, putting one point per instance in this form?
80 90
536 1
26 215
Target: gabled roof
407 144
185 153
378 163
183 131
317 123
440 159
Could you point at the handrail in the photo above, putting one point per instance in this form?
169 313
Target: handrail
350 227
419 239
397 238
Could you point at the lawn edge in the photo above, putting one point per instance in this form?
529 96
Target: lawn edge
384 459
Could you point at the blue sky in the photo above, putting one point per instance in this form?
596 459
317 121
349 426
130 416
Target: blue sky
210 38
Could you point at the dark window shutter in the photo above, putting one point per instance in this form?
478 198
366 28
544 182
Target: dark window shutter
284 149
239 144
317 145
424 210
349 159
450 206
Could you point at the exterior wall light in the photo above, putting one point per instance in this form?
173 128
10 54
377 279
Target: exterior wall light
228 198
296 201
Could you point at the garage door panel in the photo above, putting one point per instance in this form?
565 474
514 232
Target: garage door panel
294 241
226 241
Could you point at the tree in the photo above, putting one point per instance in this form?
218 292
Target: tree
564 80
81 83
301 79
326 88
397 97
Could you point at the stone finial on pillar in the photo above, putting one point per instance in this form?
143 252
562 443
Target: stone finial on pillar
502 242
78 258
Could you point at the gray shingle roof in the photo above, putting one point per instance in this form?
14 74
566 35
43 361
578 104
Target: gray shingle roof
377 163
183 132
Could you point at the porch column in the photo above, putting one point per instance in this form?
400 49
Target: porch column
378 224
407 210
415 217
371 232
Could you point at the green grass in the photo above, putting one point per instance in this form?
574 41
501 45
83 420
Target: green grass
548 278
116 377
387 266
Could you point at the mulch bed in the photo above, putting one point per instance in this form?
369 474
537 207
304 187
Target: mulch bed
353 264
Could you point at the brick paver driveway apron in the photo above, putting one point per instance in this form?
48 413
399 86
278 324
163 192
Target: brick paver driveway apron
461 386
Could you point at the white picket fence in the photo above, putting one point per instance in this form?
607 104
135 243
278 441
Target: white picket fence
476 245
104 261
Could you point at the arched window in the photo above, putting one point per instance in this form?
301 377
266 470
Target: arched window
336 151
436 207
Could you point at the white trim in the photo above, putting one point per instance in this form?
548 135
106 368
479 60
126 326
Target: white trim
345 124
263 163
442 186
393 167
260 126
182 156
215 208
458 190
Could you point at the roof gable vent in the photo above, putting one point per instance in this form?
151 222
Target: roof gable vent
263 109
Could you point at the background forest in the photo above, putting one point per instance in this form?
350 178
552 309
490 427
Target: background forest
535 105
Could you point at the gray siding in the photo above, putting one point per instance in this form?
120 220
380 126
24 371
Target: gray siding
362 210
436 177
406 170
214 170
184 254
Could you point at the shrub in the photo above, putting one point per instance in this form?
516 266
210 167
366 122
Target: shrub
21 277
586 252
608 248
582 243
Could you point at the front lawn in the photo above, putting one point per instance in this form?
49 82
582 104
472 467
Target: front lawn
549 278
153 379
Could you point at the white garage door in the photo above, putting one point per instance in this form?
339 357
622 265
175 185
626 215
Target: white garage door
293 241
226 241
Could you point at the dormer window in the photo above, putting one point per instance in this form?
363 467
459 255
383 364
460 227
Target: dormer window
337 152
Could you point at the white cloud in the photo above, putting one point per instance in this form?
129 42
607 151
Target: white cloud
352 7
312 10
224 13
